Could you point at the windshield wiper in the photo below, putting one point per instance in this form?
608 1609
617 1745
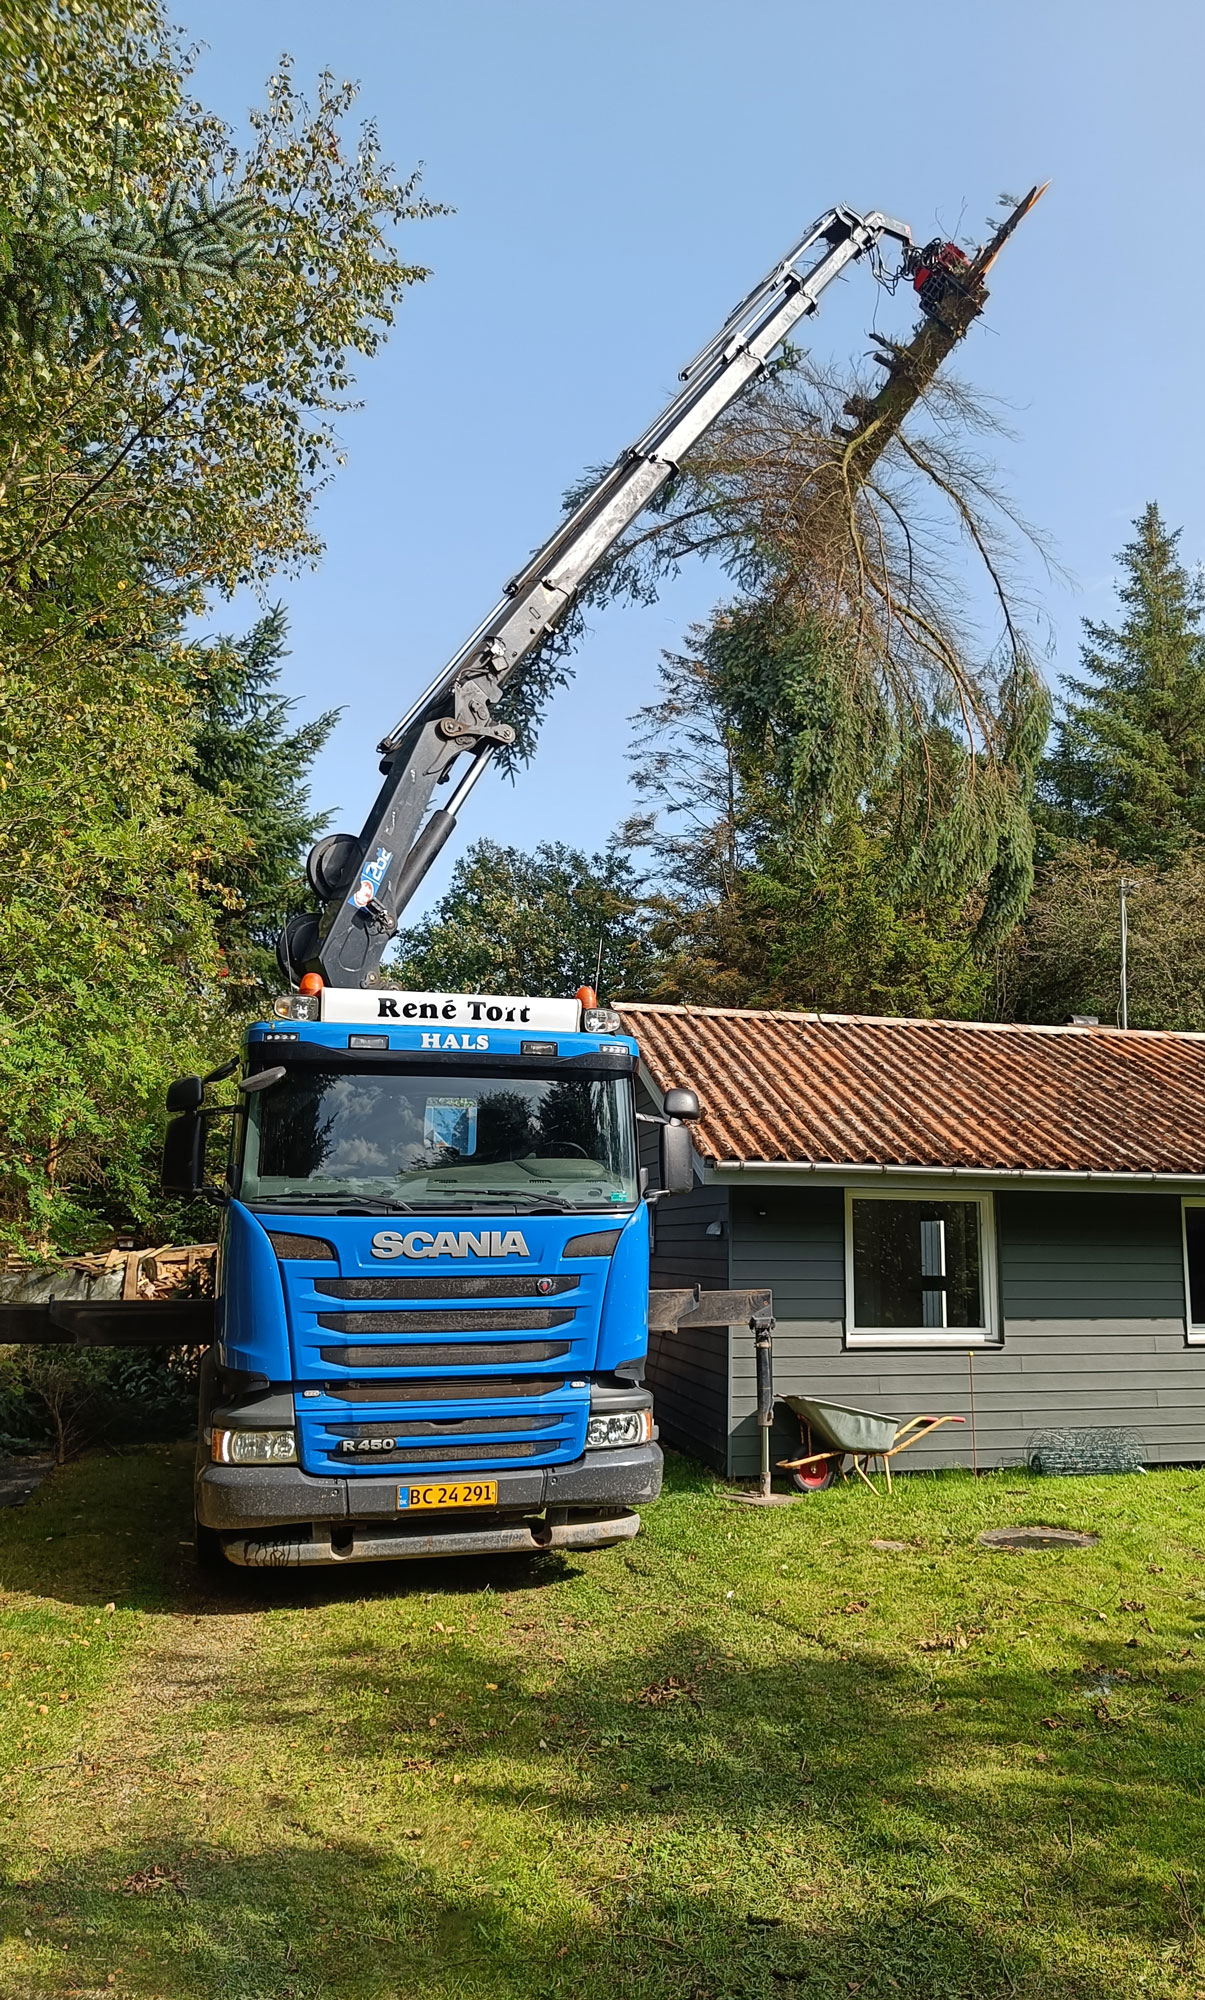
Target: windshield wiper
524 1198
343 1204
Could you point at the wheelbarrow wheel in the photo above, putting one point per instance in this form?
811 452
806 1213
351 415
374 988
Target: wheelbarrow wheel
817 1477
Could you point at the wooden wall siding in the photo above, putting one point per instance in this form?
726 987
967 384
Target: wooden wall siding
688 1375
688 1371
1062 1256
1090 1256
1093 1300
1087 1374
794 1240
683 1252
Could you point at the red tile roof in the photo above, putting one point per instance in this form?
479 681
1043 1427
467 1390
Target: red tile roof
819 1089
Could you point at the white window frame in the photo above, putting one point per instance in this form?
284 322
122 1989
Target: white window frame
990 1334
1194 1330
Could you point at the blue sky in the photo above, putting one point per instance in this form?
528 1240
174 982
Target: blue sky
620 175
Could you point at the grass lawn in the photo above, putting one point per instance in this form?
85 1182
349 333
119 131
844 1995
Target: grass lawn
750 1755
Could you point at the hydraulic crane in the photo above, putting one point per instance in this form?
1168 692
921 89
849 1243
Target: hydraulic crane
364 881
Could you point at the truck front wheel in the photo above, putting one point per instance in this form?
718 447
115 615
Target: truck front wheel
212 1563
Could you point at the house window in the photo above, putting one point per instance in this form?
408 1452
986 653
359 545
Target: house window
1194 1268
920 1272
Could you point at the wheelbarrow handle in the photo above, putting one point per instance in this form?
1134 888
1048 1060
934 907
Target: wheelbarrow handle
908 1433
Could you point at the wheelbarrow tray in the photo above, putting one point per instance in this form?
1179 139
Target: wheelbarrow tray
843 1428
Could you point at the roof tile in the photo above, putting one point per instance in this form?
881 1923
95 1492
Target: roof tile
858 1090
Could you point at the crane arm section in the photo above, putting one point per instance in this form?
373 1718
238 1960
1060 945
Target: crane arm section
365 881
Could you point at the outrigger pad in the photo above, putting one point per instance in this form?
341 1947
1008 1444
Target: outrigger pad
695 1307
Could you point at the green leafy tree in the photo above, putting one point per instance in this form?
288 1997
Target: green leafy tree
1127 764
178 327
542 923
248 754
1066 957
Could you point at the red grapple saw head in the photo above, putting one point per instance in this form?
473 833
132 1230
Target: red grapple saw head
936 270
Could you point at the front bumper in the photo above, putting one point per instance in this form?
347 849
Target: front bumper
246 1499
362 1541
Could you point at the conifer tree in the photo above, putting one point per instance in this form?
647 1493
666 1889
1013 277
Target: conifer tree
248 754
1127 769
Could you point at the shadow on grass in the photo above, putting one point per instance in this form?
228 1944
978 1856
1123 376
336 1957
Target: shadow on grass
118 1525
350 1923
656 1823
810 1817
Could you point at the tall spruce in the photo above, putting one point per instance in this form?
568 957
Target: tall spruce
1127 768
249 754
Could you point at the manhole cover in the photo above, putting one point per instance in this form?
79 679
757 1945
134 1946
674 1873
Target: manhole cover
1019 1539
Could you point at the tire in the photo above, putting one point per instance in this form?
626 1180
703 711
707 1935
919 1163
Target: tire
815 1478
212 1566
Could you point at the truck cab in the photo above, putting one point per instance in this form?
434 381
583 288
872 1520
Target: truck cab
432 1285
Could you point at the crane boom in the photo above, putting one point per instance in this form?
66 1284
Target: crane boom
364 881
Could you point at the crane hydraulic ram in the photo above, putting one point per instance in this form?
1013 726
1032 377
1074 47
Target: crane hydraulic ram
365 881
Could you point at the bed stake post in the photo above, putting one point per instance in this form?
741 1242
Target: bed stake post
974 1431
763 1352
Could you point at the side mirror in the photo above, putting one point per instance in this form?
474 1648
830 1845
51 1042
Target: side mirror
183 1150
185 1094
263 1079
682 1104
677 1155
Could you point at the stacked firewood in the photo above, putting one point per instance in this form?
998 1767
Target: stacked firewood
172 1271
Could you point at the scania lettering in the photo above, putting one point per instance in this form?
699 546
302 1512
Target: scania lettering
419 1243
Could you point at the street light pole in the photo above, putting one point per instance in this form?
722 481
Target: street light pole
1123 888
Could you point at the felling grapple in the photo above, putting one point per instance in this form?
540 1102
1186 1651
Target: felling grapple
937 271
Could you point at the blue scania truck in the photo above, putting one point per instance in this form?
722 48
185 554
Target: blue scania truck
432 1291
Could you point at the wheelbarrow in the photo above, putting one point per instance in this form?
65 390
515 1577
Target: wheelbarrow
833 1432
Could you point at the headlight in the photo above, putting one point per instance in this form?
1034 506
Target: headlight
253 1447
600 1020
296 1007
626 1427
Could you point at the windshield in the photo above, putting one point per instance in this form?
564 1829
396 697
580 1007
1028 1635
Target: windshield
451 1139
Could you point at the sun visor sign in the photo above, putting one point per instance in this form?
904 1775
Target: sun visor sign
451 1010
373 870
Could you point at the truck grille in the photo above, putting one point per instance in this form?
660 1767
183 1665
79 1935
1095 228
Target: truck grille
448 1354
505 1321
446 1288
481 1454
471 1427
444 1389
435 1371
387 1441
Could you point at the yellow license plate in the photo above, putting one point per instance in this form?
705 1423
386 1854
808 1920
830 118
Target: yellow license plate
437 1493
